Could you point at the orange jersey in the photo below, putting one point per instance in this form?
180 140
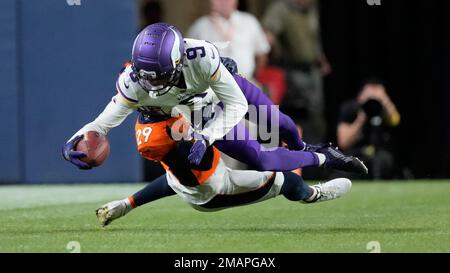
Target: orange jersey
153 139
154 142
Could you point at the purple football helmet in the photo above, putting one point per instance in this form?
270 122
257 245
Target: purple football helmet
157 57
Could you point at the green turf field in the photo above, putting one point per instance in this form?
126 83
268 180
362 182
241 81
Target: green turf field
401 216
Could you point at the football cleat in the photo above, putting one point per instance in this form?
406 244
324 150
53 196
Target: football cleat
331 190
335 159
111 211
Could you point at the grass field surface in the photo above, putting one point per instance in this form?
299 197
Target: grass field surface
396 216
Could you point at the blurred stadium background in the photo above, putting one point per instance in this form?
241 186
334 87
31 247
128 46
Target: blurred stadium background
60 60
59 64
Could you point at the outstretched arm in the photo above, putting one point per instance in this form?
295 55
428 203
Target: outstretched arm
114 114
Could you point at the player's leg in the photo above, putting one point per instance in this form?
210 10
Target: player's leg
240 145
327 155
255 96
155 190
248 187
232 188
295 189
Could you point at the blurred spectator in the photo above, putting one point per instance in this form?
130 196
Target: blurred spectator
363 128
248 44
293 26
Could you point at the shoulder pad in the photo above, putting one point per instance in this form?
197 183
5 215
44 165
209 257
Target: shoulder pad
126 87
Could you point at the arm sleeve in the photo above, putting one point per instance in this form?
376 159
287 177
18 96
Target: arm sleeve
112 116
235 104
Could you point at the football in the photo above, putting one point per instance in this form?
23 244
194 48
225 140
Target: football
96 148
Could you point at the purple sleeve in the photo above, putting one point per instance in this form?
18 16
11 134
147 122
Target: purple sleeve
288 129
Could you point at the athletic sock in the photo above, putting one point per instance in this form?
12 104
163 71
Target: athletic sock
321 158
294 188
129 201
155 190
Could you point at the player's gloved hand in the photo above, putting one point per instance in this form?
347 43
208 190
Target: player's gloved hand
230 64
198 149
73 156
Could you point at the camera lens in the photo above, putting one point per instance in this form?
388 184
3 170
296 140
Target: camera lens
372 108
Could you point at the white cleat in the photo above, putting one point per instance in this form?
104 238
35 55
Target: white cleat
111 211
330 190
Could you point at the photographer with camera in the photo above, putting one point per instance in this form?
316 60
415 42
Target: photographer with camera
364 128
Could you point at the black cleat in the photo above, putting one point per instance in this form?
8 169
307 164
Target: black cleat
335 159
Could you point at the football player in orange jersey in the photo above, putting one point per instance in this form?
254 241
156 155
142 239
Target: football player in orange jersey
210 185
